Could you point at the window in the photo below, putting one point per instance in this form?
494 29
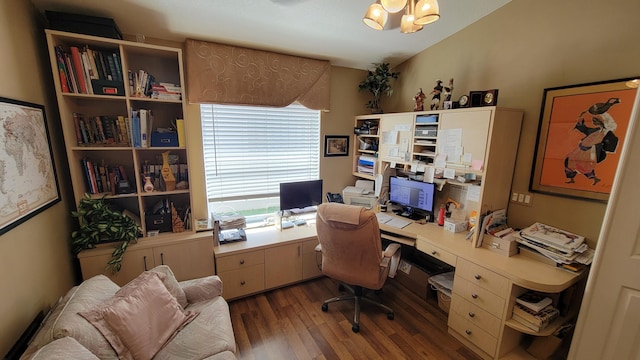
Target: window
249 151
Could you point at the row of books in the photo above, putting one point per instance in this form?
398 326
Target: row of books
102 178
534 310
102 130
80 68
141 83
141 124
565 249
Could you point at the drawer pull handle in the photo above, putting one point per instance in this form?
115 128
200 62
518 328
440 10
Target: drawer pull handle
433 252
477 276
242 282
242 262
468 332
474 295
472 314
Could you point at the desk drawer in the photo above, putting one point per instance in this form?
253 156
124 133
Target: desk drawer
473 333
482 277
428 248
476 315
479 296
244 281
238 261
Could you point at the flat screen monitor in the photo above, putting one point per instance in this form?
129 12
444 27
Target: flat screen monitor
412 194
300 194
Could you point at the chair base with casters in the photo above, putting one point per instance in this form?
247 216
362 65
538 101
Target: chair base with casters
357 294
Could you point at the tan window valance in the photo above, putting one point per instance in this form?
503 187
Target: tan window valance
226 74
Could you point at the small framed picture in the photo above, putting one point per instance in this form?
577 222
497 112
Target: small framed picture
446 105
336 145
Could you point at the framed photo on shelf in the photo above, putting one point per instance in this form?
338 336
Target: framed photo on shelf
26 155
336 145
580 137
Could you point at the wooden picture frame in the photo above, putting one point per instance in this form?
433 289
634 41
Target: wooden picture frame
580 137
31 185
336 145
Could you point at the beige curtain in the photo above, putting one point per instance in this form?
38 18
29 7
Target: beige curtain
225 74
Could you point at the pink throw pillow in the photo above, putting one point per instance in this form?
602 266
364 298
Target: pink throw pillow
141 318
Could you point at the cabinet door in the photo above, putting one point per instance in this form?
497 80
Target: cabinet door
474 126
283 265
188 259
311 260
135 261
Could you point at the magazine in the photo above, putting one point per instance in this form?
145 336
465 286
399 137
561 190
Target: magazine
552 236
534 300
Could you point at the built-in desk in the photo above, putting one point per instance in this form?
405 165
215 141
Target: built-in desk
485 285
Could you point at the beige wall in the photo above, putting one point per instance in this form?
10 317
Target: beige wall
35 262
521 49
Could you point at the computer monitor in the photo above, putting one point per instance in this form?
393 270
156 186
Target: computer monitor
412 195
300 194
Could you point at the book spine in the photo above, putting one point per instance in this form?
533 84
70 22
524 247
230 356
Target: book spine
144 128
70 72
78 70
86 71
135 128
76 124
181 134
118 66
62 70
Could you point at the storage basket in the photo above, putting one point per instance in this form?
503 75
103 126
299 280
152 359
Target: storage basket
443 284
444 301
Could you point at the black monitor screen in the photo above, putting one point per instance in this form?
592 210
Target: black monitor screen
301 194
413 194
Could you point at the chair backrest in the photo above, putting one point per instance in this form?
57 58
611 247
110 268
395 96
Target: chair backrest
351 247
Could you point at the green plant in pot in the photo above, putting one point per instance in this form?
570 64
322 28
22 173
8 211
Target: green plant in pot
99 222
378 82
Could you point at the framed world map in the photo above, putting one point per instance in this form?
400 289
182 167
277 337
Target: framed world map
28 182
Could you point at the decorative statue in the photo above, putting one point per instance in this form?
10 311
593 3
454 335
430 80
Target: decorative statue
419 99
435 100
448 90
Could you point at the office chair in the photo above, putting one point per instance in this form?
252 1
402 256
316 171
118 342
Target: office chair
351 249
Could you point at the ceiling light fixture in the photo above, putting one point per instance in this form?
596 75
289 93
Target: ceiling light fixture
415 16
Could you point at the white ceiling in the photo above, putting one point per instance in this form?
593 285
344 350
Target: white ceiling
322 29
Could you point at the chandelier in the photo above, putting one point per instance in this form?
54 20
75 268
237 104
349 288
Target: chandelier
416 15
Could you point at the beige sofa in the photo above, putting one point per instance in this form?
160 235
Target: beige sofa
94 320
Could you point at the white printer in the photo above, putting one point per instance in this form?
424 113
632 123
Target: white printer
362 194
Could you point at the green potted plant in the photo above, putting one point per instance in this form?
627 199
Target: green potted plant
99 222
378 82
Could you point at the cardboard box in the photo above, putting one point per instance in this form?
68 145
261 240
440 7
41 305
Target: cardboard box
507 246
455 226
414 278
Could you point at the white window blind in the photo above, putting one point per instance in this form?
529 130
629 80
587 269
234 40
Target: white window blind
249 151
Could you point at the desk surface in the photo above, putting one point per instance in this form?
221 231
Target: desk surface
523 271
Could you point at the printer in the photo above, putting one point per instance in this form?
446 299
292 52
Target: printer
362 194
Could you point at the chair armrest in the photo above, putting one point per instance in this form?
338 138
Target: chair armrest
391 250
202 289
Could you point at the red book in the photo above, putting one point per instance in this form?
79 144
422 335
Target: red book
64 84
78 69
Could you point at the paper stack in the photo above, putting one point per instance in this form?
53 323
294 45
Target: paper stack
534 310
566 249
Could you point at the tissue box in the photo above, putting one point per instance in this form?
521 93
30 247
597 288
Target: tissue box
456 226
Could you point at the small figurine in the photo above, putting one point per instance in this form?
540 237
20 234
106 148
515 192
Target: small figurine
419 99
435 100
448 90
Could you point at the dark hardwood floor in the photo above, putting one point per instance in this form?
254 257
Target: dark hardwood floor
288 323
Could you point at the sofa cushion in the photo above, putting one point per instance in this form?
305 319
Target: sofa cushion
66 348
201 289
209 334
141 318
64 319
172 284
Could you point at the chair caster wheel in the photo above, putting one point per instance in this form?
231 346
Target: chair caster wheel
390 316
355 328
325 307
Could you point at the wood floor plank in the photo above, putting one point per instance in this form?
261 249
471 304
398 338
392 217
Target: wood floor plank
289 323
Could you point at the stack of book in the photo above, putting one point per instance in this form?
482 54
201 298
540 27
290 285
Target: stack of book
534 310
565 249
166 91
